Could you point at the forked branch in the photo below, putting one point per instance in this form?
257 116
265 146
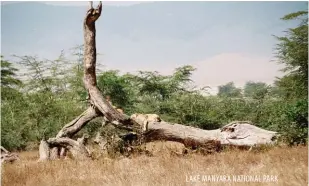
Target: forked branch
93 14
90 82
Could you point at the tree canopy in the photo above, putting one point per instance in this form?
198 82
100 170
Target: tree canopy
292 51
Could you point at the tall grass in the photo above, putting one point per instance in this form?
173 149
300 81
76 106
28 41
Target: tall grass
288 164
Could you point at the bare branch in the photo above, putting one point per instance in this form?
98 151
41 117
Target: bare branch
77 149
99 7
93 14
78 123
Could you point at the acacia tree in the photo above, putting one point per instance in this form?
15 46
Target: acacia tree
292 51
256 90
12 102
232 134
9 82
229 90
8 74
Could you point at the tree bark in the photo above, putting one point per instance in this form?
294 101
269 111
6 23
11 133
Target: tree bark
239 133
90 82
44 150
78 123
77 149
73 127
59 151
54 153
98 103
7 156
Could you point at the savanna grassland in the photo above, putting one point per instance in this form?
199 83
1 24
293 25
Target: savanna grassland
51 93
289 164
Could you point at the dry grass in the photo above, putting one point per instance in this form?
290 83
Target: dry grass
288 164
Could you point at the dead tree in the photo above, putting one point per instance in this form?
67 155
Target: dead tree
53 148
8 157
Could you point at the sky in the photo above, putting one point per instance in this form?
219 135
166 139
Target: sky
225 41
81 3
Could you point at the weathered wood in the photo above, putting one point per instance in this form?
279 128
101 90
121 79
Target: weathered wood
96 97
78 123
244 133
90 54
68 130
44 150
151 126
77 149
55 153
3 150
75 126
237 133
99 104
7 156
63 153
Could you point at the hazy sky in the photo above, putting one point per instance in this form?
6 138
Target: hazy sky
225 41
83 3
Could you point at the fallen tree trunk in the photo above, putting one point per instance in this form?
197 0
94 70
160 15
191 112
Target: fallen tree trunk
7 156
77 148
152 128
78 123
56 150
72 128
238 133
